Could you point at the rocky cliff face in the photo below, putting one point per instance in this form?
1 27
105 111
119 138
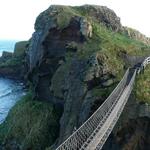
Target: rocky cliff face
58 74
51 41
13 65
103 15
134 34
68 80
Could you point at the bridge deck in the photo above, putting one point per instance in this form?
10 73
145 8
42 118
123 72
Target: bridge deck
109 121
95 131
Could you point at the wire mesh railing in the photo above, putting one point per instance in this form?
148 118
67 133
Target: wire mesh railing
123 103
80 136
80 139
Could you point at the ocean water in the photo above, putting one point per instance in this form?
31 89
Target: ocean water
7 45
10 91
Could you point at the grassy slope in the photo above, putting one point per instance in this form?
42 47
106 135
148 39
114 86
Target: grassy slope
142 86
31 123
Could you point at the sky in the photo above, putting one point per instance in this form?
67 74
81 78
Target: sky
18 16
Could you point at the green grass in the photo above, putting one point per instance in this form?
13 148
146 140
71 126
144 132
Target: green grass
111 44
64 16
20 48
12 62
33 124
142 86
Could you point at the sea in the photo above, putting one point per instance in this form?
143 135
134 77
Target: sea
10 91
7 45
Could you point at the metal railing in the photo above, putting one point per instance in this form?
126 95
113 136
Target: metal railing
143 65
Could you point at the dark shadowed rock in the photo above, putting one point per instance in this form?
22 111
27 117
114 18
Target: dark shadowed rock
6 55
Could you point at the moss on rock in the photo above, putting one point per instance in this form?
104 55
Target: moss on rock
20 48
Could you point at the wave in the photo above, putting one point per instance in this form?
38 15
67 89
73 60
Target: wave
10 92
6 94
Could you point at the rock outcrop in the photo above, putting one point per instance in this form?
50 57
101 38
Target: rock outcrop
103 15
13 65
134 34
6 55
58 74
59 78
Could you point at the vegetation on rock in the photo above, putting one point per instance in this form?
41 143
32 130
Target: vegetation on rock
12 65
142 86
33 124
20 48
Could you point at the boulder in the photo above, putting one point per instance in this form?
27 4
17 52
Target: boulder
85 28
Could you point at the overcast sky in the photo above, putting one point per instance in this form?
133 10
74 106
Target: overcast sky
18 16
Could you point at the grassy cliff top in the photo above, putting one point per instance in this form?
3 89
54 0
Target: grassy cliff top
108 38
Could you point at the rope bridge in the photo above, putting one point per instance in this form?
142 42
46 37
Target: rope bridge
95 131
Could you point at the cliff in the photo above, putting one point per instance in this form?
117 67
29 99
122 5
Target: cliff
13 65
134 34
75 58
